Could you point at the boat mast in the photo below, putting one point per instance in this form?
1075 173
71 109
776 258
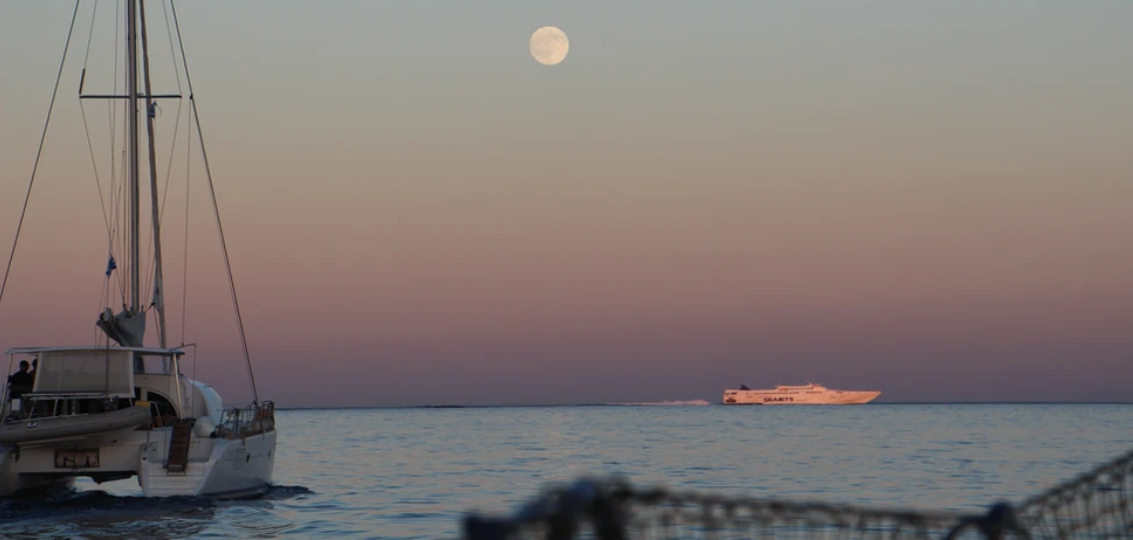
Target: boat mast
132 125
129 326
159 288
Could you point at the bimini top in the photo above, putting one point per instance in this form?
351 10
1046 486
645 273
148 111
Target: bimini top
92 369
89 348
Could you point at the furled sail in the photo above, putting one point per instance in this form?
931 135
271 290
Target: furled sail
128 329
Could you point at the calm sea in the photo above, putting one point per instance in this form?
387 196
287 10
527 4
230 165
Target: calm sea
412 473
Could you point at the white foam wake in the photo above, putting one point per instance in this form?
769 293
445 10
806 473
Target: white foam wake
677 402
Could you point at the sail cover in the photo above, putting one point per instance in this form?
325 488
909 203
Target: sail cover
102 371
125 328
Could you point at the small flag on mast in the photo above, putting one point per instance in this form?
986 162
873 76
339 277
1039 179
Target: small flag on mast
110 266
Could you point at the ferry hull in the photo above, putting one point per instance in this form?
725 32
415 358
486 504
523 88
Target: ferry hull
777 397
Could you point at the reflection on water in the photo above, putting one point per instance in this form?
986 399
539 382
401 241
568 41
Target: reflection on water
412 473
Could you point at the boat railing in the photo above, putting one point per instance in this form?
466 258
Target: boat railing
242 422
30 405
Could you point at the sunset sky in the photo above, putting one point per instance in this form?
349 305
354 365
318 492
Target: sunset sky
930 199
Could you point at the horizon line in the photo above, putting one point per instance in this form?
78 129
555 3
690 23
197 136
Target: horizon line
673 404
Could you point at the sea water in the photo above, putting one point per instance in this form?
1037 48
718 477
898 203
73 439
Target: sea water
413 473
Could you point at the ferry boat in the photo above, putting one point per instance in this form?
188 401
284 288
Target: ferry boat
807 394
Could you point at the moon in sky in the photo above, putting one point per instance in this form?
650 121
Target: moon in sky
549 45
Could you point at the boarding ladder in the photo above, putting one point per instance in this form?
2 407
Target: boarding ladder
178 459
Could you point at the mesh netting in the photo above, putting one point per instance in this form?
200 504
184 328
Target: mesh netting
1093 506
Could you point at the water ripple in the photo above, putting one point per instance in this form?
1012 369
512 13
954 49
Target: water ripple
412 473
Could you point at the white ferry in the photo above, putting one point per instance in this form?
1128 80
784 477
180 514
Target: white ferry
808 394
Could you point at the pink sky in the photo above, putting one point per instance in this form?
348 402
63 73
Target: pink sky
870 203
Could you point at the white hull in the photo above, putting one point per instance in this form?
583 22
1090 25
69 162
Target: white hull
810 394
217 467
217 452
115 412
225 468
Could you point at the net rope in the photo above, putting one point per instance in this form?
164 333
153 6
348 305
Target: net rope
1095 505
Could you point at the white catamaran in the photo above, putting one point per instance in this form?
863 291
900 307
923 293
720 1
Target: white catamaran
807 394
111 411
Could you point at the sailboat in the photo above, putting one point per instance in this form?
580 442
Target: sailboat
112 411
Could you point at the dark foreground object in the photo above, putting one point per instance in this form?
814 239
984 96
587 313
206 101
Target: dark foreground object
1094 506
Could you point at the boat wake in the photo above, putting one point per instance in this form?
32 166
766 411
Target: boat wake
87 499
282 493
666 403
71 513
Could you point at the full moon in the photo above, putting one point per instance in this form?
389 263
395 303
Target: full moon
549 45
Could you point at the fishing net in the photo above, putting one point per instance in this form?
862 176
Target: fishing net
1094 505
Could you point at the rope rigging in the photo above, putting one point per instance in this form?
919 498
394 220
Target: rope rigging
115 211
94 165
115 180
38 153
86 126
185 255
188 163
216 207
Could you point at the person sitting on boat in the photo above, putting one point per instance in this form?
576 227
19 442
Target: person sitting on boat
22 380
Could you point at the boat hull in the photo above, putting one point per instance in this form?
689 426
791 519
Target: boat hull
11 484
776 397
236 467
220 468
